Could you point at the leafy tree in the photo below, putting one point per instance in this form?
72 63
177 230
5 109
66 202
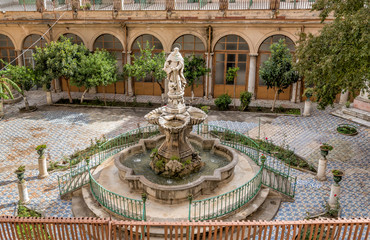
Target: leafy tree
96 69
5 91
58 60
277 72
231 75
24 77
337 59
194 69
148 64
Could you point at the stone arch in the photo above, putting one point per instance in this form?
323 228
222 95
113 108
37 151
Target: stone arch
204 40
96 36
46 38
84 41
154 34
237 33
14 41
287 34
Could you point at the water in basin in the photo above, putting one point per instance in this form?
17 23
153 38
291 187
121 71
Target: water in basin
140 164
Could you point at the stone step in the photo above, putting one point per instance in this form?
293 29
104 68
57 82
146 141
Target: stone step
251 207
79 207
268 210
358 113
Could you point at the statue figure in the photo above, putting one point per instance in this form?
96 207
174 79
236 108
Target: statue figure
174 67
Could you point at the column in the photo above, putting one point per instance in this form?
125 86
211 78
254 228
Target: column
43 170
343 97
299 86
129 80
321 170
307 108
23 192
294 92
210 84
18 53
252 74
334 195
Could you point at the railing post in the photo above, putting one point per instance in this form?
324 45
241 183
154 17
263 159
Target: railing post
190 198
144 197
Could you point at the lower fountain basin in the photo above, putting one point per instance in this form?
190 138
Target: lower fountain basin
166 191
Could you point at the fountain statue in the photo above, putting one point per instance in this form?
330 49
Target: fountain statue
175 158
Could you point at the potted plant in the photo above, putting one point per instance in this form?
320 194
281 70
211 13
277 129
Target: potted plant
308 92
337 175
263 159
41 150
20 172
325 148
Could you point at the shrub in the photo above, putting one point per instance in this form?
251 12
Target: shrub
205 109
245 100
223 101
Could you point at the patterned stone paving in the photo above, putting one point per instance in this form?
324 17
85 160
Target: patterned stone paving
66 129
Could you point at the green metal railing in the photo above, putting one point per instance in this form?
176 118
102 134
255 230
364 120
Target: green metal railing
272 173
221 205
78 174
127 207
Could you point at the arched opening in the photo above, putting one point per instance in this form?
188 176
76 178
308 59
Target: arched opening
263 55
191 45
31 41
114 46
7 50
148 85
75 39
230 51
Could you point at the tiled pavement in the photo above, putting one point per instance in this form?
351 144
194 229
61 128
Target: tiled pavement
66 129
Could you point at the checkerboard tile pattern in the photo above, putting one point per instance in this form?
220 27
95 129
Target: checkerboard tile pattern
66 131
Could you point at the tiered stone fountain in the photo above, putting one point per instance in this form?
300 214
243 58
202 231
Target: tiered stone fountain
175 158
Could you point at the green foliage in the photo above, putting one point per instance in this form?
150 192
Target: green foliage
308 92
40 149
95 69
154 151
245 100
21 168
21 75
159 164
348 104
194 68
223 101
337 59
277 72
23 211
326 147
347 129
147 64
58 59
175 158
231 74
5 92
187 162
337 172
205 109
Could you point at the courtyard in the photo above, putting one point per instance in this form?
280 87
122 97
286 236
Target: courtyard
66 129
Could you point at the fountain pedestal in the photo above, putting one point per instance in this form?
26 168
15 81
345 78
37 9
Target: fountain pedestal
175 157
